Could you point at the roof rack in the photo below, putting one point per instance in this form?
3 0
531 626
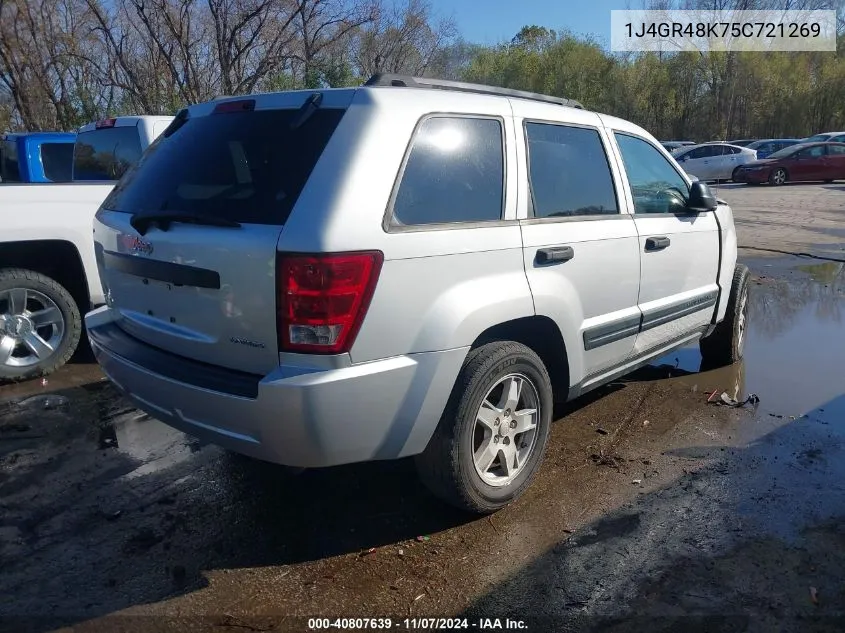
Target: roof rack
405 81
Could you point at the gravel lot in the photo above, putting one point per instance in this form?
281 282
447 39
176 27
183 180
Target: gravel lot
651 503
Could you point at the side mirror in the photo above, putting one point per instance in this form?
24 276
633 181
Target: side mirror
701 199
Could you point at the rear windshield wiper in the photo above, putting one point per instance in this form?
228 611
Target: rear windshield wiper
142 222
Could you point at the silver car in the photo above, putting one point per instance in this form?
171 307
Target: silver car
408 268
713 161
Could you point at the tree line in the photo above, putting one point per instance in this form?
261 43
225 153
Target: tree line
64 63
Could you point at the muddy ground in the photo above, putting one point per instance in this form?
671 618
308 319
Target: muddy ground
654 511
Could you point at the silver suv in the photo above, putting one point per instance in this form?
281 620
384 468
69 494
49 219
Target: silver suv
408 268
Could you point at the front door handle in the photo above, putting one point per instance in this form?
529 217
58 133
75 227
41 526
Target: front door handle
657 243
555 254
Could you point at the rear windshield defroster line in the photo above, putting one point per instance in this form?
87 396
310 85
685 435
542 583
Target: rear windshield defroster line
246 167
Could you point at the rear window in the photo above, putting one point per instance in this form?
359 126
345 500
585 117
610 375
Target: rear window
106 154
246 167
9 171
57 160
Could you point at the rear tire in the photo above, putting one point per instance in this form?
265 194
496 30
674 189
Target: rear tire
778 177
733 174
726 344
482 424
27 299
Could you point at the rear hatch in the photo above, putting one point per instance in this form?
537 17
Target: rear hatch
186 242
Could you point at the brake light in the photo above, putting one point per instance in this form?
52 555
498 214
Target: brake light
322 299
105 123
241 105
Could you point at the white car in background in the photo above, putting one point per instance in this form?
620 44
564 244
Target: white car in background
713 161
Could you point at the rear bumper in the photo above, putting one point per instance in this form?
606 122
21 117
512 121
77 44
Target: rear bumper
297 416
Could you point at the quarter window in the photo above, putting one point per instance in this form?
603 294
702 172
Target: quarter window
455 172
655 184
568 171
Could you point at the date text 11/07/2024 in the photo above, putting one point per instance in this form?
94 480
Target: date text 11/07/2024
415 624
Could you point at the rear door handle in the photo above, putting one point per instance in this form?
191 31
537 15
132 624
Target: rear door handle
555 254
657 243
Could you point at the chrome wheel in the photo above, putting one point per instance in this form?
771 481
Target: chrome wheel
505 432
742 321
779 177
31 327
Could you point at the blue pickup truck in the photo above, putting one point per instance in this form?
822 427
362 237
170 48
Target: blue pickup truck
36 157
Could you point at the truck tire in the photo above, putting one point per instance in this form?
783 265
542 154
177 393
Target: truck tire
726 343
490 441
40 324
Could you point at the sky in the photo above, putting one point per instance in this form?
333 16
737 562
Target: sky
493 21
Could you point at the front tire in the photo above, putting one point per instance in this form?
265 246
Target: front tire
490 441
778 177
40 324
726 344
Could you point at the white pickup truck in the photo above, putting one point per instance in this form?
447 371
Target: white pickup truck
48 271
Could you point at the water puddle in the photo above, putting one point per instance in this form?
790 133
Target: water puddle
795 352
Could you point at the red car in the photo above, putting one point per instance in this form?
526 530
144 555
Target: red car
807 161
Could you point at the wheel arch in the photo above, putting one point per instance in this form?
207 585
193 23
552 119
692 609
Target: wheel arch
542 335
58 259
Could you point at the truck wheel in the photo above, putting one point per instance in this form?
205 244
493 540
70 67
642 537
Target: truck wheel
40 324
491 438
726 343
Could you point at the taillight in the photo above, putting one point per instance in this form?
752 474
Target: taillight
322 299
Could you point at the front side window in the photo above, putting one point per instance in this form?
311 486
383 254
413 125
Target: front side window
812 152
700 152
455 172
106 153
655 184
568 171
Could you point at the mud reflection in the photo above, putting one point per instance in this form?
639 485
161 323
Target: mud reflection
778 305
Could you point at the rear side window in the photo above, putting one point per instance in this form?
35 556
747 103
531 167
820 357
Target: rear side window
837 150
9 171
106 153
730 150
455 172
247 167
568 172
57 160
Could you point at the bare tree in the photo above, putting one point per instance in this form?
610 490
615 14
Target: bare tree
402 39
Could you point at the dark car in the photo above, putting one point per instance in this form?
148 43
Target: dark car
769 146
673 145
803 162
827 137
